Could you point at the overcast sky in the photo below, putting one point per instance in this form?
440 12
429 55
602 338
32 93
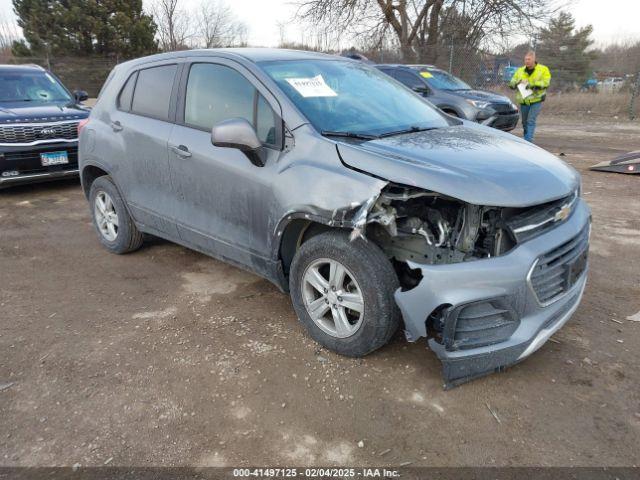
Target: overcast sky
613 20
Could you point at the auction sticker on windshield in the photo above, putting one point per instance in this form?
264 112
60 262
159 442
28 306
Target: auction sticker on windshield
312 87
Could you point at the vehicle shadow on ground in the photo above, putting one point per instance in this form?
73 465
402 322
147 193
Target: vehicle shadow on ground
57 186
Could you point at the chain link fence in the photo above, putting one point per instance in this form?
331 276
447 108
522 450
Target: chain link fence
77 73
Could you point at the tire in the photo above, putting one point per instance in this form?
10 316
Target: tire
373 278
104 196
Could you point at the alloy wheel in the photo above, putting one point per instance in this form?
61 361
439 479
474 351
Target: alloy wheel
333 298
106 216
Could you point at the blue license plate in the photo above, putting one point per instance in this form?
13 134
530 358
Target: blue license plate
54 158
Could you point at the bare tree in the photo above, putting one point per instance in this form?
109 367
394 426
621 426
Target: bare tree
8 35
375 18
216 26
618 58
174 31
282 32
416 23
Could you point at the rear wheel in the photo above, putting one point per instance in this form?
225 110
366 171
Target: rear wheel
115 227
343 292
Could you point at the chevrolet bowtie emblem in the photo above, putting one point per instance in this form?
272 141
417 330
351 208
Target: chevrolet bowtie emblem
564 212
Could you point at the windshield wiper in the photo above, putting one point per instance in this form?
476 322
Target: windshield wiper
361 136
17 100
406 130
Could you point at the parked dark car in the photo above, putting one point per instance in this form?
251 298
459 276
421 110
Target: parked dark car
373 208
39 121
456 97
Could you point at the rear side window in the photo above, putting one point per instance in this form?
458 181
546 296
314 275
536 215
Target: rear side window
126 94
153 92
216 93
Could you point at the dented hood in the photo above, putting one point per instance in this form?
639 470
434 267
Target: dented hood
473 164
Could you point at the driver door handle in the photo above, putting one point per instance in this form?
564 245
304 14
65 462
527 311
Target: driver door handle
181 151
116 126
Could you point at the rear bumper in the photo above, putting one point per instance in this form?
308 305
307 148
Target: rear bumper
503 281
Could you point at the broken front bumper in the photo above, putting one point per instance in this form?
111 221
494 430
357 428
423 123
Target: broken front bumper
495 312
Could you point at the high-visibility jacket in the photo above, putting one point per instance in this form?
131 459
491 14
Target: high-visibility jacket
538 82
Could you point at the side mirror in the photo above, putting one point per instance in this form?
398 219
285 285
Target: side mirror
422 91
80 96
238 133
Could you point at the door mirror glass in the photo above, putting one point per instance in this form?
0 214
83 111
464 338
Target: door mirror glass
235 133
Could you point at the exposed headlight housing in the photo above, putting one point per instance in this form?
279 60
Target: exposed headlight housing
479 103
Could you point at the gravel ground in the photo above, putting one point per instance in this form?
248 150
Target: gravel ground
167 357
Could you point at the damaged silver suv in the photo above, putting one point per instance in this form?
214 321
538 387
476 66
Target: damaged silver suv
346 189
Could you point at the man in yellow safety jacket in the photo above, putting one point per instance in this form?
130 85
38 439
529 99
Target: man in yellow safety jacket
534 79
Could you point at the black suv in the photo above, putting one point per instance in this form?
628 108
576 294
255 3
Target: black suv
39 121
455 97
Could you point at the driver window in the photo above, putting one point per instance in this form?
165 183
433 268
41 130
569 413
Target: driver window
217 92
409 80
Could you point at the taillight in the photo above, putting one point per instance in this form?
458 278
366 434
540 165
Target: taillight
82 124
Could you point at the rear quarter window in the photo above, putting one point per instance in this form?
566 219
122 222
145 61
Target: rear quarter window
152 93
126 94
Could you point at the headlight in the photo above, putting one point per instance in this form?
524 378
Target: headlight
479 103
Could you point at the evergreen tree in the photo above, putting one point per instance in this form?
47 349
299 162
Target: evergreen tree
85 27
563 48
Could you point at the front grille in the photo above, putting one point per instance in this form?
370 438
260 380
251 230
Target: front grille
17 134
533 221
558 270
562 311
505 122
503 109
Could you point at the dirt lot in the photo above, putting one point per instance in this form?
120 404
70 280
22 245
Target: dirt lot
167 357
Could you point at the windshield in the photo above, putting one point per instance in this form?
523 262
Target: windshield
345 96
31 87
441 80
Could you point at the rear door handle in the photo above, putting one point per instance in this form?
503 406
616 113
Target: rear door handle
116 126
181 151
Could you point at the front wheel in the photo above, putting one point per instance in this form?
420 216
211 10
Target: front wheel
343 292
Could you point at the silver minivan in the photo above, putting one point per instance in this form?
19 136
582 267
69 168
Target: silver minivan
372 208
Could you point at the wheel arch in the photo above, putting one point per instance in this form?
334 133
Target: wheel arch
89 174
296 229
449 110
